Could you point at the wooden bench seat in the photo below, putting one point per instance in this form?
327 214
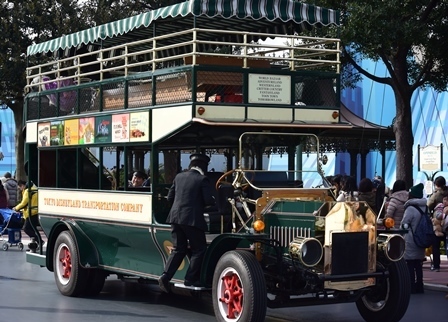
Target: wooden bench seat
141 95
178 88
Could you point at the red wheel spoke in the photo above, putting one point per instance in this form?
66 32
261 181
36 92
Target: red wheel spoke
66 261
232 295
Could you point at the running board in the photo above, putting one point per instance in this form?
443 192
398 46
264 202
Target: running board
192 288
36 258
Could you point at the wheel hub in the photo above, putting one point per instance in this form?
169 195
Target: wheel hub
66 262
232 295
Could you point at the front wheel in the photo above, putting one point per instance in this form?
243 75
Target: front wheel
70 277
239 288
389 299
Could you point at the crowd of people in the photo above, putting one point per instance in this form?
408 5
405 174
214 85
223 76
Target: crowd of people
404 205
371 191
15 195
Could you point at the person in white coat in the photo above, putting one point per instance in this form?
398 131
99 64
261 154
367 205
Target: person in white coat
395 204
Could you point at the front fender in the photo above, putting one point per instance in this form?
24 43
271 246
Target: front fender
220 245
88 255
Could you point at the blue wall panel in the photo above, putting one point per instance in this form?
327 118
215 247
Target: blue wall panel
376 103
7 142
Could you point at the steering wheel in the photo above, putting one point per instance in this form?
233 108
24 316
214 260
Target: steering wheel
221 180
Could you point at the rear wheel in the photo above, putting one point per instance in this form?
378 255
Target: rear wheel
70 277
389 299
239 289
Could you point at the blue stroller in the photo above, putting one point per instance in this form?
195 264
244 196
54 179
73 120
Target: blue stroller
11 224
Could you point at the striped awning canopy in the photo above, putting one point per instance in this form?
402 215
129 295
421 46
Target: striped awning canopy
270 16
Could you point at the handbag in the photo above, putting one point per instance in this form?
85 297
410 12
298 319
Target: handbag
444 221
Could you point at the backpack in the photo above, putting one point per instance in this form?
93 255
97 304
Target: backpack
444 223
424 232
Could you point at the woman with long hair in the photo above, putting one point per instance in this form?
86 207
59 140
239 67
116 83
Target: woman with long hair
349 189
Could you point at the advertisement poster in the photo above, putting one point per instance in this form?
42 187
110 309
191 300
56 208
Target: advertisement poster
139 126
71 132
120 128
86 130
103 129
57 133
43 134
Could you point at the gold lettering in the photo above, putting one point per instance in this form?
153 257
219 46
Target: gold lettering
131 207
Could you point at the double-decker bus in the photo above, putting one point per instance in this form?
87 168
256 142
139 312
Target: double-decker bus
234 80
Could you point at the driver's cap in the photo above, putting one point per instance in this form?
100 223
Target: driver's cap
200 157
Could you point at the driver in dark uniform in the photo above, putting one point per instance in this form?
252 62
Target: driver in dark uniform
190 194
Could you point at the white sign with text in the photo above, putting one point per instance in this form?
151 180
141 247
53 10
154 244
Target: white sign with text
430 158
269 89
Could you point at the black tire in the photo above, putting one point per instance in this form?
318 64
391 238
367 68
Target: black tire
70 277
389 299
95 282
239 288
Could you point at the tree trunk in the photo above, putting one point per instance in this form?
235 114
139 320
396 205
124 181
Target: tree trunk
171 165
404 139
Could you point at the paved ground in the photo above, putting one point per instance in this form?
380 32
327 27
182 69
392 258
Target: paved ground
437 281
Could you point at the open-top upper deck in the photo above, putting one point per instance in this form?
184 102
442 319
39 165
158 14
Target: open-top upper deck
192 46
242 53
256 18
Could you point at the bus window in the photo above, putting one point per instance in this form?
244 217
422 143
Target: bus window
66 168
47 161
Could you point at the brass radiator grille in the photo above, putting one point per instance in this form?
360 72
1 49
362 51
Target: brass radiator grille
286 234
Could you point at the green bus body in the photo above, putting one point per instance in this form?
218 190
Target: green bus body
144 93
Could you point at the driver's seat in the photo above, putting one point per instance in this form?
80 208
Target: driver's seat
221 214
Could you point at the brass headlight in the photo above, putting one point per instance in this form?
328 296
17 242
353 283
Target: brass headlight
308 250
392 246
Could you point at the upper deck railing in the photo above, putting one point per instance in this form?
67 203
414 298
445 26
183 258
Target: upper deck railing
292 53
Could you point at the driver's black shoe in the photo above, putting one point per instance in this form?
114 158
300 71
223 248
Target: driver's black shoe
164 283
43 243
32 247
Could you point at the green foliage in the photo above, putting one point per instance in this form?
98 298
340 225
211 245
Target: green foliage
23 23
26 22
409 36
97 12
